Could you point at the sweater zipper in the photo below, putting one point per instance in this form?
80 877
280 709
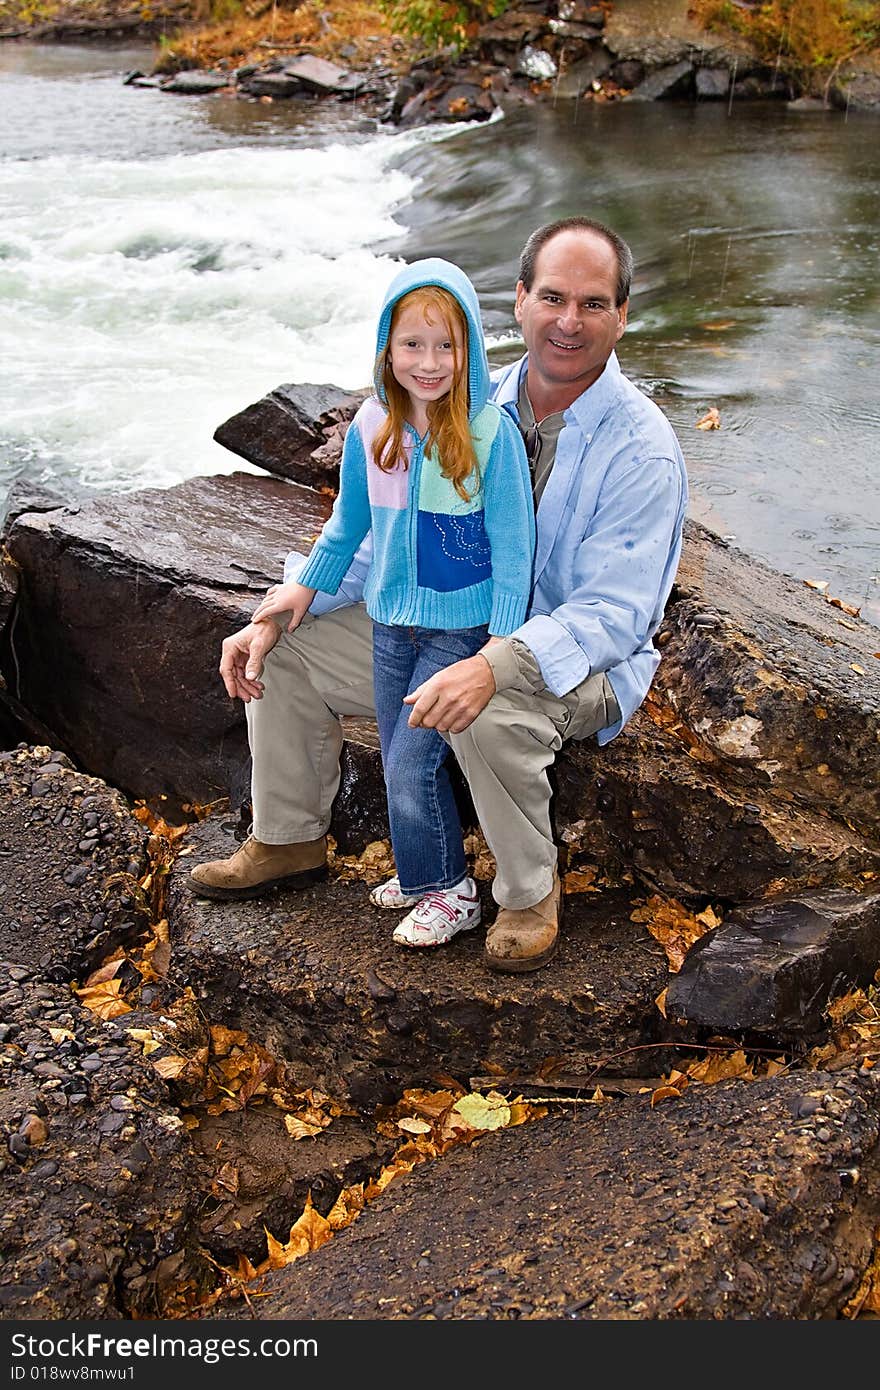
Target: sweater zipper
415 473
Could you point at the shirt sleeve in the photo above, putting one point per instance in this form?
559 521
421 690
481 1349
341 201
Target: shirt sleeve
618 572
348 523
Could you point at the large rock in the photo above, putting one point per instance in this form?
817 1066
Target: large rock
313 974
742 1200
751 768
688 827
776 686
296 431
124 602
774 967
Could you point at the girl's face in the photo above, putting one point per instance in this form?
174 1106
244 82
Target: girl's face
422 356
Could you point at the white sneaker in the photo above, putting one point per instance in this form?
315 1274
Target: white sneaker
389 895
440 916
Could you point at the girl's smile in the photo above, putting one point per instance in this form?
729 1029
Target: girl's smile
423 358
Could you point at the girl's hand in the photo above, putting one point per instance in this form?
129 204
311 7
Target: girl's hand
290 598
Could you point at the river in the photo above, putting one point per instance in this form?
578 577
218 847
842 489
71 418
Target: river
166 260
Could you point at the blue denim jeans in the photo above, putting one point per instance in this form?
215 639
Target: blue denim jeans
425 825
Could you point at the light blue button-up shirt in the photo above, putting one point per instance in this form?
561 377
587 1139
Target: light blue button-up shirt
609 530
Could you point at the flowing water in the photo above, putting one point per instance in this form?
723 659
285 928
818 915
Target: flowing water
165 260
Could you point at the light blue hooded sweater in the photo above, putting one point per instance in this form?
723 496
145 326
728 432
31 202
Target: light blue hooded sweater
438 561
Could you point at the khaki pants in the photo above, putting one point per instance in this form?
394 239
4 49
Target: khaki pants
324 669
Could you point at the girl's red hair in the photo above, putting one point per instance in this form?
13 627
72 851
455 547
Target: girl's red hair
449 429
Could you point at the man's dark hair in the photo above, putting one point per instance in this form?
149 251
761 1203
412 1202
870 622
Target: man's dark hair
542 235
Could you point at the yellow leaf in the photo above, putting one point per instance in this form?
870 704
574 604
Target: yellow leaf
60 1035
859 670
411 1126
387 1175
711 420
104 999
224 1039
663 1093
348 1205
169 1067
720 1067
844 607
660 1001
845 1004
820 584
581 880
430 1104
300 1129
490 1111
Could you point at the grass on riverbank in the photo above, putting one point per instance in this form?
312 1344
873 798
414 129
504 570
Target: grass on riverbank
350 32
813 38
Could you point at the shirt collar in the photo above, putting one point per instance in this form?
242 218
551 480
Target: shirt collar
590 405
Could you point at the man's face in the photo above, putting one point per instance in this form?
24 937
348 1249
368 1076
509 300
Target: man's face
569 320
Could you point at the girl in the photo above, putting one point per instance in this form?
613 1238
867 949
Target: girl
439 477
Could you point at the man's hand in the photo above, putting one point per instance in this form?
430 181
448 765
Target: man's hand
451 699
241 664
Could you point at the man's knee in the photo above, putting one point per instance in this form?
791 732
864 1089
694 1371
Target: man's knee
489 734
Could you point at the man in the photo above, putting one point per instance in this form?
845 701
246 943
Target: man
611 494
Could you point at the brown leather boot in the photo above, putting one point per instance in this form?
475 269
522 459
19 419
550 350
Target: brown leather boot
525 938
256 868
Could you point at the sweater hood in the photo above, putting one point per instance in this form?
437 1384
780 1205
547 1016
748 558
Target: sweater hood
435 271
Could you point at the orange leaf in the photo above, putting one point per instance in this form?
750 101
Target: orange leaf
711 420
663 1093
104 999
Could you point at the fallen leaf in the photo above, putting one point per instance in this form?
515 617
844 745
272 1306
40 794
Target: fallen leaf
660 1001
224 1039
581 880
60 1035
104 999
859 670
844 607
711 420
820 584
105 972
670 923
411 1126
171 1066
664 1093
489 1111
227 1177
348 1205
429 1104
719 327
721 1067
301 1129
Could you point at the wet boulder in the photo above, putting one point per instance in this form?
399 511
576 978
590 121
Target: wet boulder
123 604
753 765
673 79
738 1200
313 974
296 432
773 967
